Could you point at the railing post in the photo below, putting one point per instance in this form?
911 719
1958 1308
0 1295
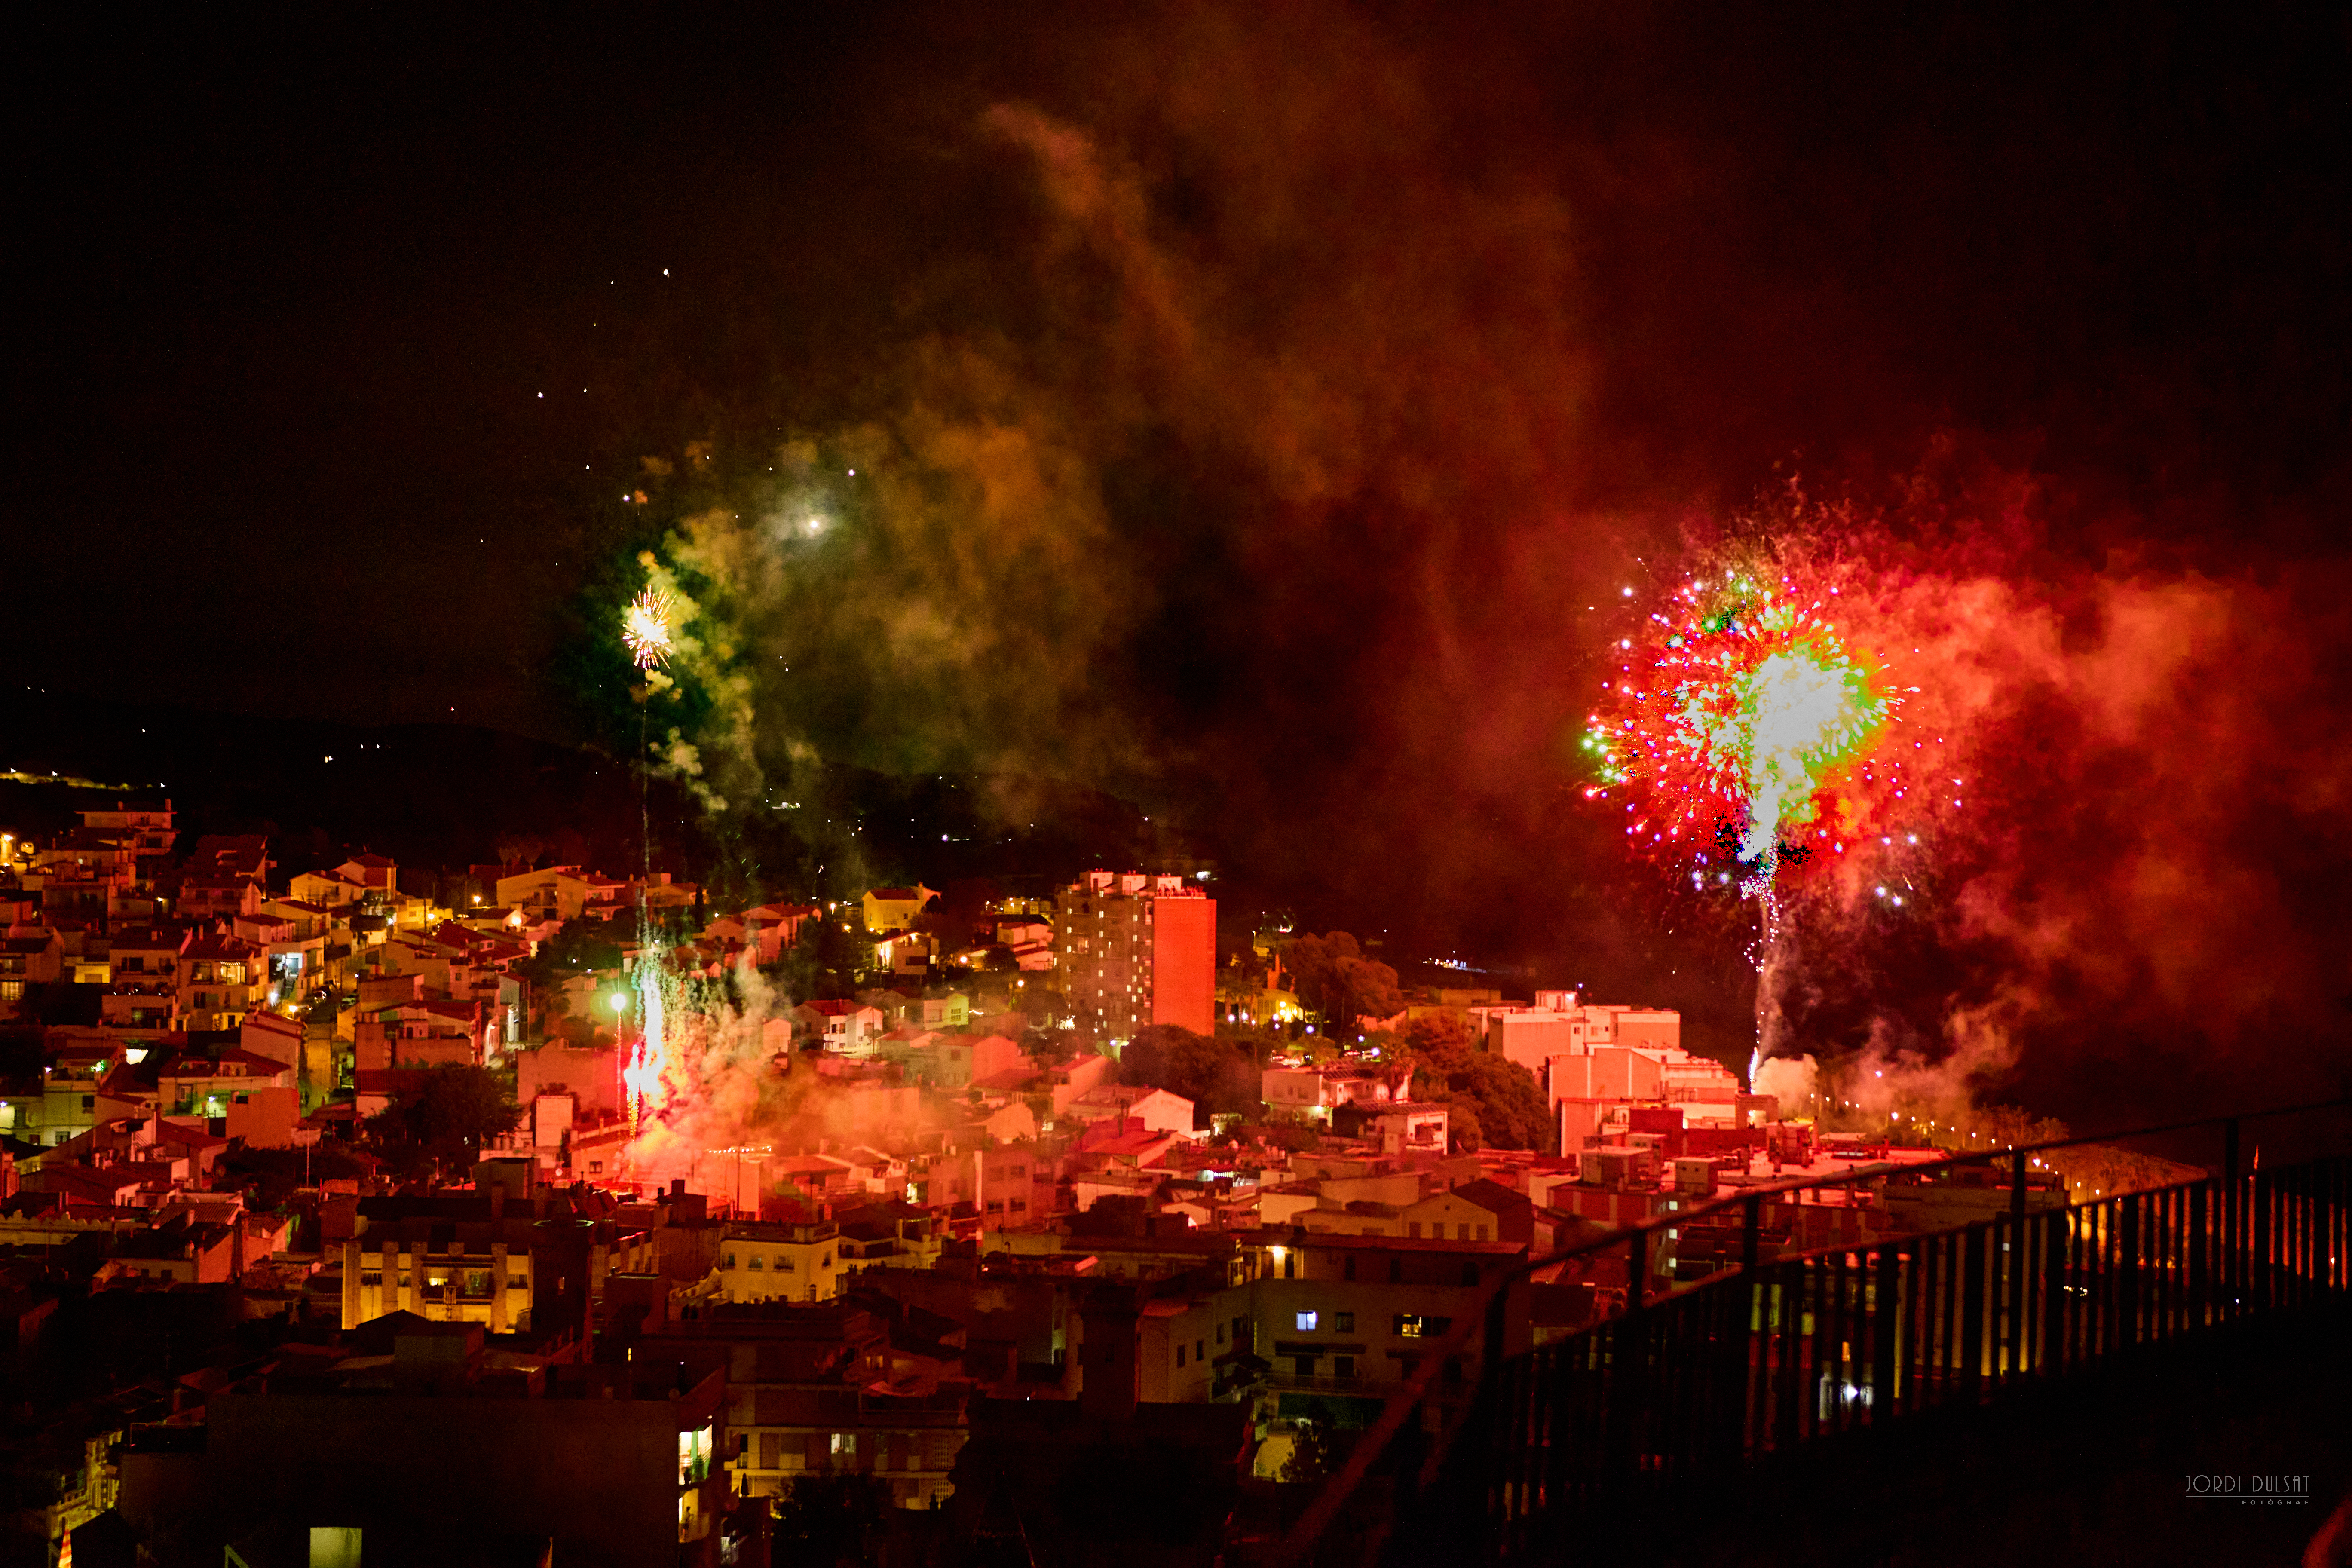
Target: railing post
2201 1257
1972 1311
1627 1375
2017 1265
2260 1282
2231 1223
1886 1328
2127 1258
1741 1351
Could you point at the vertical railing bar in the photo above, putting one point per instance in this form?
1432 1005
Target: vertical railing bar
1887 1335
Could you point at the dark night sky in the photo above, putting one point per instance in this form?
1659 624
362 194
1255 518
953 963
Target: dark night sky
1471 310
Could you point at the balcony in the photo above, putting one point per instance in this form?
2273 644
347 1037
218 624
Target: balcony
1354 1387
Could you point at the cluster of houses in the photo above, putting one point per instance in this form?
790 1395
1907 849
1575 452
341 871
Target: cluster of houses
968 1259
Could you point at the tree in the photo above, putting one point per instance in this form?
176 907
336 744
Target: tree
1336 981
829 1515
1042 1040
1256 1041
1494 1101
63 1002
578 945
447 1114
1512 1114
1214 1074
522 849
822 963
1309 1459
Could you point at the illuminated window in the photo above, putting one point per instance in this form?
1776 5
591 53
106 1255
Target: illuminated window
1307 1322
1414 1326
693 1455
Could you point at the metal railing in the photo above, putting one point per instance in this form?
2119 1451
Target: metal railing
1771 1353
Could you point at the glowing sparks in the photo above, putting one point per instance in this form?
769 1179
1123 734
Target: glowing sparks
1742 726
644 627
641 1080
1743 719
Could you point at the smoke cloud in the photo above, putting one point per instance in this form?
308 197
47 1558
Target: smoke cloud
1284 468
2112 902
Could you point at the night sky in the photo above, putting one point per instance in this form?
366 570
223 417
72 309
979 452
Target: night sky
1251 400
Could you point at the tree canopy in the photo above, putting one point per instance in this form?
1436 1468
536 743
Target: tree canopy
446 1112
827 1516
1336 981
823 962
1491 1101
1216 1075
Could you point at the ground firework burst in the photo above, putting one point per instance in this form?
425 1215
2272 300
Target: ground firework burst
1742 719
644 627
1743 729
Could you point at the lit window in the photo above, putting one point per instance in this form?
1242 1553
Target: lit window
1307 1320
693 1455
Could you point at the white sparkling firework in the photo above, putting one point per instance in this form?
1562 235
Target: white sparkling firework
644 627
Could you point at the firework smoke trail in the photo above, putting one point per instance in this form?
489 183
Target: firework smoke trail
1747 719
645 630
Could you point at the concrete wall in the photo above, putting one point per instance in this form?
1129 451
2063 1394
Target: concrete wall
1184 963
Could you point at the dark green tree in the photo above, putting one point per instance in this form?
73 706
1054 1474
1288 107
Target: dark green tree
826 1516
578 946
823 962
1309 1460
1214 1074
1338 983
1256 1041
445 1115
1494 1101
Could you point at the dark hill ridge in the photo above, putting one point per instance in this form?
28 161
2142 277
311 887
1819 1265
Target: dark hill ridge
445 795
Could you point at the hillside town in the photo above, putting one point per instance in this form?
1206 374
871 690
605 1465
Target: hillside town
984 1196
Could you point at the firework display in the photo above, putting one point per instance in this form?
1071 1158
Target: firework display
644 627
1745 727
1745 722
643 1081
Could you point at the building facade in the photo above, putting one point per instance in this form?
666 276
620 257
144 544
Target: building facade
1138 949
